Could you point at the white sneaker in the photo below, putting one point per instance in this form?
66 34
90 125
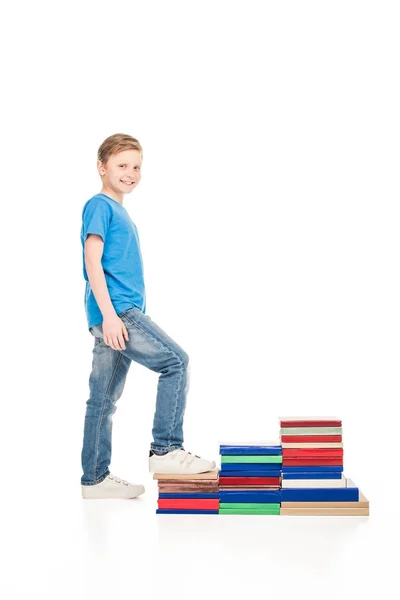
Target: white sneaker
178 462
112 487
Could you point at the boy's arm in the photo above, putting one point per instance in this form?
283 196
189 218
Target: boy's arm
94 247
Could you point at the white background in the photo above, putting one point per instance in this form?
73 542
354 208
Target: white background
268 214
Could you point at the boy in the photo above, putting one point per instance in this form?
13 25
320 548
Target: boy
115 304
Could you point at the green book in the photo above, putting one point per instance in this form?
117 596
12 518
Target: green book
249 511
311 431
252 459
251 505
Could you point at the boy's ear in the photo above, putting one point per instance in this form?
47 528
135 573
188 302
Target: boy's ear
100 167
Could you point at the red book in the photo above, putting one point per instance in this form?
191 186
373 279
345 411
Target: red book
312 452
311 423
249 480
311 462
293 439
210 503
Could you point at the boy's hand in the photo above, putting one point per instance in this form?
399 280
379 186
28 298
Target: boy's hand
114 332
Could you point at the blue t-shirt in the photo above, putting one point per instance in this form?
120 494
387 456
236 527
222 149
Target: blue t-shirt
121 261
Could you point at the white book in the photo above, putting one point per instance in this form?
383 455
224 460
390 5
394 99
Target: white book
314 483
275 442
350 483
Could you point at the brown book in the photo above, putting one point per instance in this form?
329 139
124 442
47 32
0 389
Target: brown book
185 486
251 487
354 512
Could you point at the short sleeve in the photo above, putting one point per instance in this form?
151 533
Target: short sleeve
96 218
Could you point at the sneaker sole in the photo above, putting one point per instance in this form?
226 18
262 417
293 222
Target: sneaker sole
97 495
164 471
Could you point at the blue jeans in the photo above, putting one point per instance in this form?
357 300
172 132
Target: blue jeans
150 346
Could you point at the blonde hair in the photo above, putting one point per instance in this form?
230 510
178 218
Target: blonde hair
117 143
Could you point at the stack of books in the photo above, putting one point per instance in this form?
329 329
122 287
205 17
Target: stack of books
313 482
249 478
301 473
188 494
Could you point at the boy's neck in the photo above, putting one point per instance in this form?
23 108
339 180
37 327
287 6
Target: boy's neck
113 195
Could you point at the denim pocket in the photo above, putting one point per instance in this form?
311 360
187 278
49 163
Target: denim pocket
125 312
130 314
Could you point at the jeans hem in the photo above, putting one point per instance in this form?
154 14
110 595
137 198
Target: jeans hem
99 480
164 448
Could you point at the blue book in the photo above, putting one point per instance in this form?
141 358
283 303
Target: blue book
189 511
312 475
275 467
250 495
188 495
313 469
252 450
347 494
248 473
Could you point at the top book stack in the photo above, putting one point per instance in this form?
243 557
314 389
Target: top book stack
311 442
310 430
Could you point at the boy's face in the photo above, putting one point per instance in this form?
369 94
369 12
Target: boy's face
122 172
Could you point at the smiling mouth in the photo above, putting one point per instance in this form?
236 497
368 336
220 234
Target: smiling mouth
127 182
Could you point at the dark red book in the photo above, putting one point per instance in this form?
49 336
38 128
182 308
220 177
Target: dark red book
249 480
303 439
211 503
311 462
312 452
311 423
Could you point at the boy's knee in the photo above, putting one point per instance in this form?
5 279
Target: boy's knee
184 358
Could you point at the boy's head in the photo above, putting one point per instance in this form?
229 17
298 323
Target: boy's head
119 162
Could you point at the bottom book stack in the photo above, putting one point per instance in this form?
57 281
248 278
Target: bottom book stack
343 499
188 494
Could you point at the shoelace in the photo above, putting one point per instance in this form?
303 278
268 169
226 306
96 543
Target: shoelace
118 479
